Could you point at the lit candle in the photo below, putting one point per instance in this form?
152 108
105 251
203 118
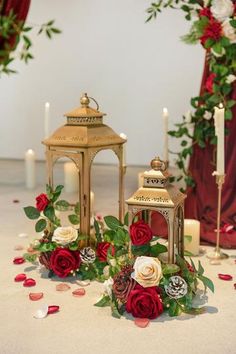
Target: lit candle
219 118
123 136
192 228
46 119
165 129
71 177
30 169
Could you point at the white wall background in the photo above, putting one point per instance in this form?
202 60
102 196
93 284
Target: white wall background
133 69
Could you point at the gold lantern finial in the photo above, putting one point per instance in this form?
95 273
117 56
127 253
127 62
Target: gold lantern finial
84 100
158 165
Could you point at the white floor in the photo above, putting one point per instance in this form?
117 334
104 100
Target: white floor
80 327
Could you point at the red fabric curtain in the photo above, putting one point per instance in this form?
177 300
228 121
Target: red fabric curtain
201 200
20 8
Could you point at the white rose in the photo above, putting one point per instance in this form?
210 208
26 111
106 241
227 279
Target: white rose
228 31
207 115
147 271
222 9
108 286
112 262
230 79
65 235
106 271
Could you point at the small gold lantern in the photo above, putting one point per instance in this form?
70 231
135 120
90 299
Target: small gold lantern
157 194
80 139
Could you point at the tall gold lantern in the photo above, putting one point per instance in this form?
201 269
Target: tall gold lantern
80 139
157 194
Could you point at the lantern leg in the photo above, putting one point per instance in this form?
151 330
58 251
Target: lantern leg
122 170
171 240
49 164
85 195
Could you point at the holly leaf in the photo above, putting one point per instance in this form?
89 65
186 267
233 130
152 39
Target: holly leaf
31 212
40 225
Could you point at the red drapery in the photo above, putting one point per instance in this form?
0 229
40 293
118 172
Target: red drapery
201 200
20 9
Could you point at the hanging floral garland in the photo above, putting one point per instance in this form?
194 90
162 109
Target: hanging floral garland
214 26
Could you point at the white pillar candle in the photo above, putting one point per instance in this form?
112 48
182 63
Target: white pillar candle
165 131
123 136
30 169
192 228
91 203
219 118
46 119
71 177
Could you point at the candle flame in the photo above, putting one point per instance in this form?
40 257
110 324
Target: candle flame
47 105
165 110
221 105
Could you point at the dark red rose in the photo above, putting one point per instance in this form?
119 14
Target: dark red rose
123 283
144 302
102 249
140 233
209 82
212 31
63 261
205 11
41 202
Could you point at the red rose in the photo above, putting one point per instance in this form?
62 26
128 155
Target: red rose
63 261
205 12
140 233
102 249
41 202
212 31
209 82
144 302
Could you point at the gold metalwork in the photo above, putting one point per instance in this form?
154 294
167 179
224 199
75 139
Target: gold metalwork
157 194
80 140
217 254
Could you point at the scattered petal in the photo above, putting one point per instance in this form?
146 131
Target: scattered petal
141 322
18 248
79 292
31 250
42 312
53 309
29 282
20 277
18 260
16 201
82 282
235 286
225 276
215 261
22 235
35 296
62 287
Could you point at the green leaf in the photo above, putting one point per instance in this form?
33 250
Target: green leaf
40 225
114 311
74 219
49 212
200 268
170 269
174 309
31 212
187 238
77 208
188 254
55 30
157 249
104 301
140 250
30 257
233 23
112 222
49 190
207 282
62 205
228 114
126 219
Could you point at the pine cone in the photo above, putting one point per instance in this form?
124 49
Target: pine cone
87 255
176 288
44 259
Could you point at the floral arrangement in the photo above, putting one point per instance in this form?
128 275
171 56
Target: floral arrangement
214 27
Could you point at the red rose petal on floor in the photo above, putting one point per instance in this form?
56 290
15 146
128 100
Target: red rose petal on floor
141 322
20 277
35 296
53 309
29 282
18 248
18 260
62 287
225 276
235 286
79 292
15 201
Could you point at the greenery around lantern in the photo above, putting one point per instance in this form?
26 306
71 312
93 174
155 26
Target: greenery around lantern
213 24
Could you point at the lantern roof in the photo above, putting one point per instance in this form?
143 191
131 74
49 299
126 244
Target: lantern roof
157 190
84 128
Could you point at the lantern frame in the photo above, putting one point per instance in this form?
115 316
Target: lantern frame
80 140
157 194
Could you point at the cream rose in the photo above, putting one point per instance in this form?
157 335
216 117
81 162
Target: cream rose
147 271
222 9
230 79
65 235
108 286
228 31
